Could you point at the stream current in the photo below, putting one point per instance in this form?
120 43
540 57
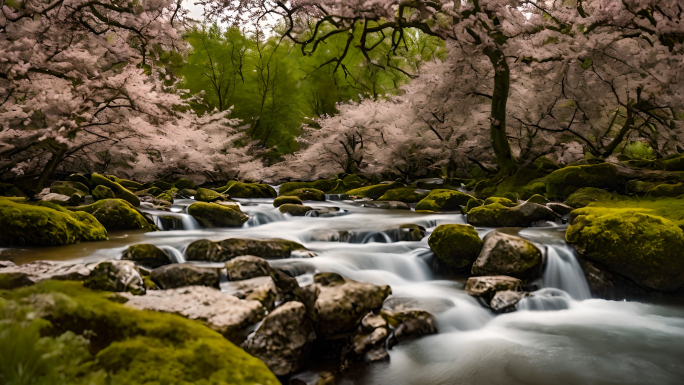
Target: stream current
558 335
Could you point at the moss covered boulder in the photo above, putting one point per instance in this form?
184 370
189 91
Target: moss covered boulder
498 215
321 184
455 245
374 191
162 185
281 200
472 203
119 191
296 210
504 254
403 194
207 195
22 224
645 248
79 178
247 190
349 182
218 215
567 180
587 195
103 192
501 200
443 200
222 251
154 191
146 254
184 274
184 183
129 184
308 194
76 191
116 214
667 190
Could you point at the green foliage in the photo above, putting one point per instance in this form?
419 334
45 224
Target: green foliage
638 150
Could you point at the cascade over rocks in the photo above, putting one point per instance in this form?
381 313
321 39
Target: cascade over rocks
504 254
222 251
455 245
183 274
218 215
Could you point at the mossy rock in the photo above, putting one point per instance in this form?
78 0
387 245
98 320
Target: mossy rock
119 191
567 180
129 184
146 254
163 185
349 182
247 190
165 197
184 183
70 188
217 215
443 200
472 203
403 194
154 191
116 214
509 255
374 191
281 200
538 199
674 163
308 194
207 195
79 178
296 210
10 190
457 246
587 195
103 192
635 186
222 251
22 224
501 200
667 190
536 187
498 215
10 281
85 337
545 164
645 248
321 184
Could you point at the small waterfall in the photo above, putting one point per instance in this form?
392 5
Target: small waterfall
336 197
166 220
377 236
562 271
174 254
545 300
259 216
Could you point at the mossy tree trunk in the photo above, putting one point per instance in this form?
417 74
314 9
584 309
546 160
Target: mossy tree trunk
502 149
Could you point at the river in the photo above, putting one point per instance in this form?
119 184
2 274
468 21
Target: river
559 335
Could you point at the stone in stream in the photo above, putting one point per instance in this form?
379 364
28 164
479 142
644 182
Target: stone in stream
218 215
42 270
182 274
410 324
209 251
146 254
486 287
246 267
282 339
120 191
281 200
504 254
296 210
116 214
207 195
103 192
117 276
262 289
387 205
498 215
76 191
443 200
505 301
221 312
457 246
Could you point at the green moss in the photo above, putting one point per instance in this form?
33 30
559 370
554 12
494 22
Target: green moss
515 183
667 190
308 194
374 191
116 214
645 248
443 200
675 163
79 178
22 224
69 188
163 185
545 164
184 183
281 200
296 210
217 215
669 208
149 191
119 191
207 195
567 180
488 215
500 200
472 203
9 281
403 194
455 245
129 184
322 184
538 199
165 197
10 190
586 195
103 192
227 249
349 182
639 187
247 190
146 254
90 339
536 187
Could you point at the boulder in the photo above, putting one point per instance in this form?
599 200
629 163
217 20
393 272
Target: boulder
23 225
118 276
44 270
154 191
219 311
443 200
76 191
296 210
187 193
410 232
587 195
262 289
287 199
487 286
59 199
498 215
308 194
410 324
246 267
209 251
349 182
374 191
163 185
502 201
183 274
342 304
457 246
247 190
184 184
667 190
645 248
119 191
217 215
282 339
569 179
103 192
321 184
403 194
504 254
207 195
129 184
472 203
116 214
505 301
79 178
146 254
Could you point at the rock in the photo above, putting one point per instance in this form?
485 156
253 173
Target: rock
349 182
119 191
487 286
410 232
22 225
569 179
586 195
667 190
146 254
79 178
129 184
43 270
443 200
10 190
374 191
103 192
155 201
403 194
188 193
206 250
498 215
294 209
371 345
502 201
308 194
504 254
535 187
262 289
560 208
457 246
545 164
246 267
59 199
645 248
117 276
11 281
206 195
76 191
342 305
321 184
387 205
673 163
247 190
281 200
154 191
163 185
183 274
221 312
116 214
282 339
217 215
410 324
184 184
538 199
639 187
472 203
505 301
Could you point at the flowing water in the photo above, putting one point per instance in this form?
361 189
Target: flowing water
558 335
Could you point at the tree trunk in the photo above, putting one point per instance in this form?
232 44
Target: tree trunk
50 167
502 149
